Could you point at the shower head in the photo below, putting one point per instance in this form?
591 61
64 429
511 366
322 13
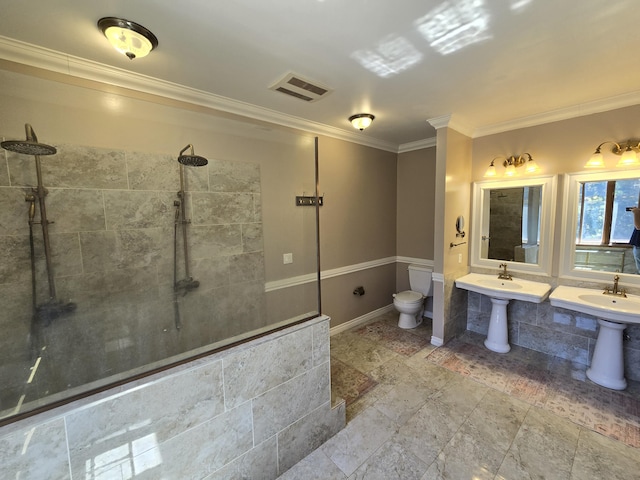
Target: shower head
30 146
191 160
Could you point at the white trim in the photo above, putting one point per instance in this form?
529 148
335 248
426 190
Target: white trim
35 56
480 222
415 261
437 277
417 145
581 110
360 320
290 282
51 60
571 182
436 341
336 272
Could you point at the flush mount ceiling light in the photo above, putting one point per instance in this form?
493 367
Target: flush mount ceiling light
127 37
627 151
361 120
513 162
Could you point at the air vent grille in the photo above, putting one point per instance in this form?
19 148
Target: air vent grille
299 87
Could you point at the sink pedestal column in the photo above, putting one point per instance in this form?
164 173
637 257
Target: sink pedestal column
607 364
498 337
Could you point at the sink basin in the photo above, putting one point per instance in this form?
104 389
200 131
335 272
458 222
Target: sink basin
613 312
501 291
594 302
516 289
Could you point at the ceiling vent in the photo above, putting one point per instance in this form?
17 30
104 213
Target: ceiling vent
296 86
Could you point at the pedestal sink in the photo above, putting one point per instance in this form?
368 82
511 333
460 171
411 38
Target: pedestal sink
613 312
501 291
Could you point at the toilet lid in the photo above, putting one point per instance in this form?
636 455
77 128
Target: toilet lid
409 296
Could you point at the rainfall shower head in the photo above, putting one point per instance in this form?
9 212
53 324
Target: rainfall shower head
191 160
30 146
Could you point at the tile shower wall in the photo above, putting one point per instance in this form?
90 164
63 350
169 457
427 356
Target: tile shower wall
219 417
554 331
112 240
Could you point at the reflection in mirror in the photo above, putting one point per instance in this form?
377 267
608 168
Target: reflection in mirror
599 207
513 221
514 224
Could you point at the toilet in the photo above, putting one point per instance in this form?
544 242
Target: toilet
411 303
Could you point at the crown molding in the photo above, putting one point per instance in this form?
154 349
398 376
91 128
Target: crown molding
50 60
581 110
451 121
54 61
417 145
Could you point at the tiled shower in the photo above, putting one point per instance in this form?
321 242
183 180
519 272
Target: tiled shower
112 234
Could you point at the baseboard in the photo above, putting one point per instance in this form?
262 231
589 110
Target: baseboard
360 320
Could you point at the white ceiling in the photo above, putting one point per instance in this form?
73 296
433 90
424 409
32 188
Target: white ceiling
486 62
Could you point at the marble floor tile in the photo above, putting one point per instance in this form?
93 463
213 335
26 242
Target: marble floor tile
543 448
391 461
461 412
315 466
361 353
348 383
600 457
396 339
353 445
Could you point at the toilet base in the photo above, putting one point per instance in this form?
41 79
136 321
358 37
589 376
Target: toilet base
408 320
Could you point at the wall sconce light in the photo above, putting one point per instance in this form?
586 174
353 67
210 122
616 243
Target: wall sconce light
361 120
627 151
512 163
127 37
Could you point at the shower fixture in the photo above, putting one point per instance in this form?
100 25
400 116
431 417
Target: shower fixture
188 283
191 160
52 308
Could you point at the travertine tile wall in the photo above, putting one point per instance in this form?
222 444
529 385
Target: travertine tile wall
555 331
223 416
112 240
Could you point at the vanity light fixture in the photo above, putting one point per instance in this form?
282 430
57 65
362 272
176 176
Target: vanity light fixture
627 151
512 163
361 120
127 37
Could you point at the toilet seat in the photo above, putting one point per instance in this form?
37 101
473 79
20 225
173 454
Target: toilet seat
408 297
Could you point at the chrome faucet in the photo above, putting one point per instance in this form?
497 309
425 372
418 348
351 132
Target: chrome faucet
504 275
615 291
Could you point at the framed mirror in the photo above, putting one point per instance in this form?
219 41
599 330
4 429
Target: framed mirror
513 222
596 246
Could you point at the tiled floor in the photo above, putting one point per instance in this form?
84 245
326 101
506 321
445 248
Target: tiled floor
462 412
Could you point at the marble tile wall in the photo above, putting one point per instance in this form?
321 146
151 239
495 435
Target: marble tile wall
220 417
554 331
112 240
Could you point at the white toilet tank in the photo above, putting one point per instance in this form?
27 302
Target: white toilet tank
420 279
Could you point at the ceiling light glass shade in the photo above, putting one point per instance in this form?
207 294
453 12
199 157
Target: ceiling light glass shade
596 160
491 171
628 159
511 170
361 120
128 38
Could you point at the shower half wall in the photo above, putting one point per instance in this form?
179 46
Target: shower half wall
112 234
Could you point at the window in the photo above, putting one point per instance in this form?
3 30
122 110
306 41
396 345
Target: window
602 215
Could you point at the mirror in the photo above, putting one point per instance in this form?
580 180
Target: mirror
597 245
513 222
